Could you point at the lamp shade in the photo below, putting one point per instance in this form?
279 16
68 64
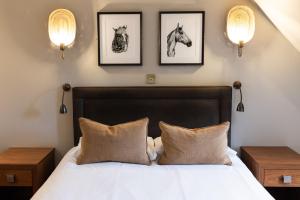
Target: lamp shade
240 24
62 28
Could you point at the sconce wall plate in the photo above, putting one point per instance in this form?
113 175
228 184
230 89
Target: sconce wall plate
62 29
240 26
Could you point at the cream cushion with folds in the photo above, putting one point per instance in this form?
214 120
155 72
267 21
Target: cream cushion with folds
206 145
125 142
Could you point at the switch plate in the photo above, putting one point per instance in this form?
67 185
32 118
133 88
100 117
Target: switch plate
10 178
150 78
287 179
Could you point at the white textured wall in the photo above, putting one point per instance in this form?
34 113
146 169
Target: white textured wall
31 72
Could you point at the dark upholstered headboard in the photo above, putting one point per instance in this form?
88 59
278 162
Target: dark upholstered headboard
184 106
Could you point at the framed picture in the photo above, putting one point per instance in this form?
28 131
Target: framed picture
119 38
182 37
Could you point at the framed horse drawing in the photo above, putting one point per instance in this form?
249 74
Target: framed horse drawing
182 37
119 38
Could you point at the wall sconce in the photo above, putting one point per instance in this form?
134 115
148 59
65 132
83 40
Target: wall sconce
63 108
240 26
62 29
238 85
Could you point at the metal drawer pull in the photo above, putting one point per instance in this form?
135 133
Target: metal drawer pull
10 178
287 179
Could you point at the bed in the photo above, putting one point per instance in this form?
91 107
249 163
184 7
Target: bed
185 106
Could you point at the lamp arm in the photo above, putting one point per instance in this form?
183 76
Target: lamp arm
63 97
240 48
62 50
63 108
241 94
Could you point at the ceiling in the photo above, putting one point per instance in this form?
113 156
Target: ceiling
285 16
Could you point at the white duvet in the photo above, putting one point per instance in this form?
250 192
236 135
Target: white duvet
120 181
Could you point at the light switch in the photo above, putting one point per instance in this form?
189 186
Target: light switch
150 78
287 179
10 178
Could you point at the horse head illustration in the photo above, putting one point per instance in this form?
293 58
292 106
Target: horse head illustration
177 35
121 39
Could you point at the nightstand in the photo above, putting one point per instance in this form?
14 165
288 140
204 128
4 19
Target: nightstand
24 170
276 168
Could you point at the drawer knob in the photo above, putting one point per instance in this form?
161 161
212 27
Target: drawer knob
287 179
10 178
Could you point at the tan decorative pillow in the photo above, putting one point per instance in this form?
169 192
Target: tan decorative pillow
194 146
121 143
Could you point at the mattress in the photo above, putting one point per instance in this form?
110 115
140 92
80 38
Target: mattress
121 181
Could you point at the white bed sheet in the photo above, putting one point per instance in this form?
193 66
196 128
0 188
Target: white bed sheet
121 181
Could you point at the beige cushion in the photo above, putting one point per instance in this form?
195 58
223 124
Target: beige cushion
121 143
194 146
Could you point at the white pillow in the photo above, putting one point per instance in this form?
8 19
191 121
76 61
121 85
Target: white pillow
151 152
159 148
230 151
151 149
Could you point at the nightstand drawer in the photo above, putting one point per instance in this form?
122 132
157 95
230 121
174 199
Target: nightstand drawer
15 178
282 178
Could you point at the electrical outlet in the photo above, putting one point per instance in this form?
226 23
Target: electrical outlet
150 78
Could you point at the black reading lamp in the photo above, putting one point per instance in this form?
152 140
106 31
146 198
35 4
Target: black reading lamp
63 108
238 85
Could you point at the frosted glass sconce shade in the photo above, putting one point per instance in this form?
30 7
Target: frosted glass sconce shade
240 26
62 28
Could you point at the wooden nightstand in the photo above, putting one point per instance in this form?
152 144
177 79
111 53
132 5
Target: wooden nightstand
276 168
24 170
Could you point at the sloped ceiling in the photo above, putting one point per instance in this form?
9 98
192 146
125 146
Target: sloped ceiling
285 15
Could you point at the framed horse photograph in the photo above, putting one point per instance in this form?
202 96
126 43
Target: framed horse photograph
182 37
119 38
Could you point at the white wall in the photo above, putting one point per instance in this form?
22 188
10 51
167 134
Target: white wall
31 73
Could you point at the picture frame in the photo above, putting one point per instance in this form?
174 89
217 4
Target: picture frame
181 37
119 38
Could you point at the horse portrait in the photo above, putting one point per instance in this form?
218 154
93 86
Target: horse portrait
121 39
175 36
